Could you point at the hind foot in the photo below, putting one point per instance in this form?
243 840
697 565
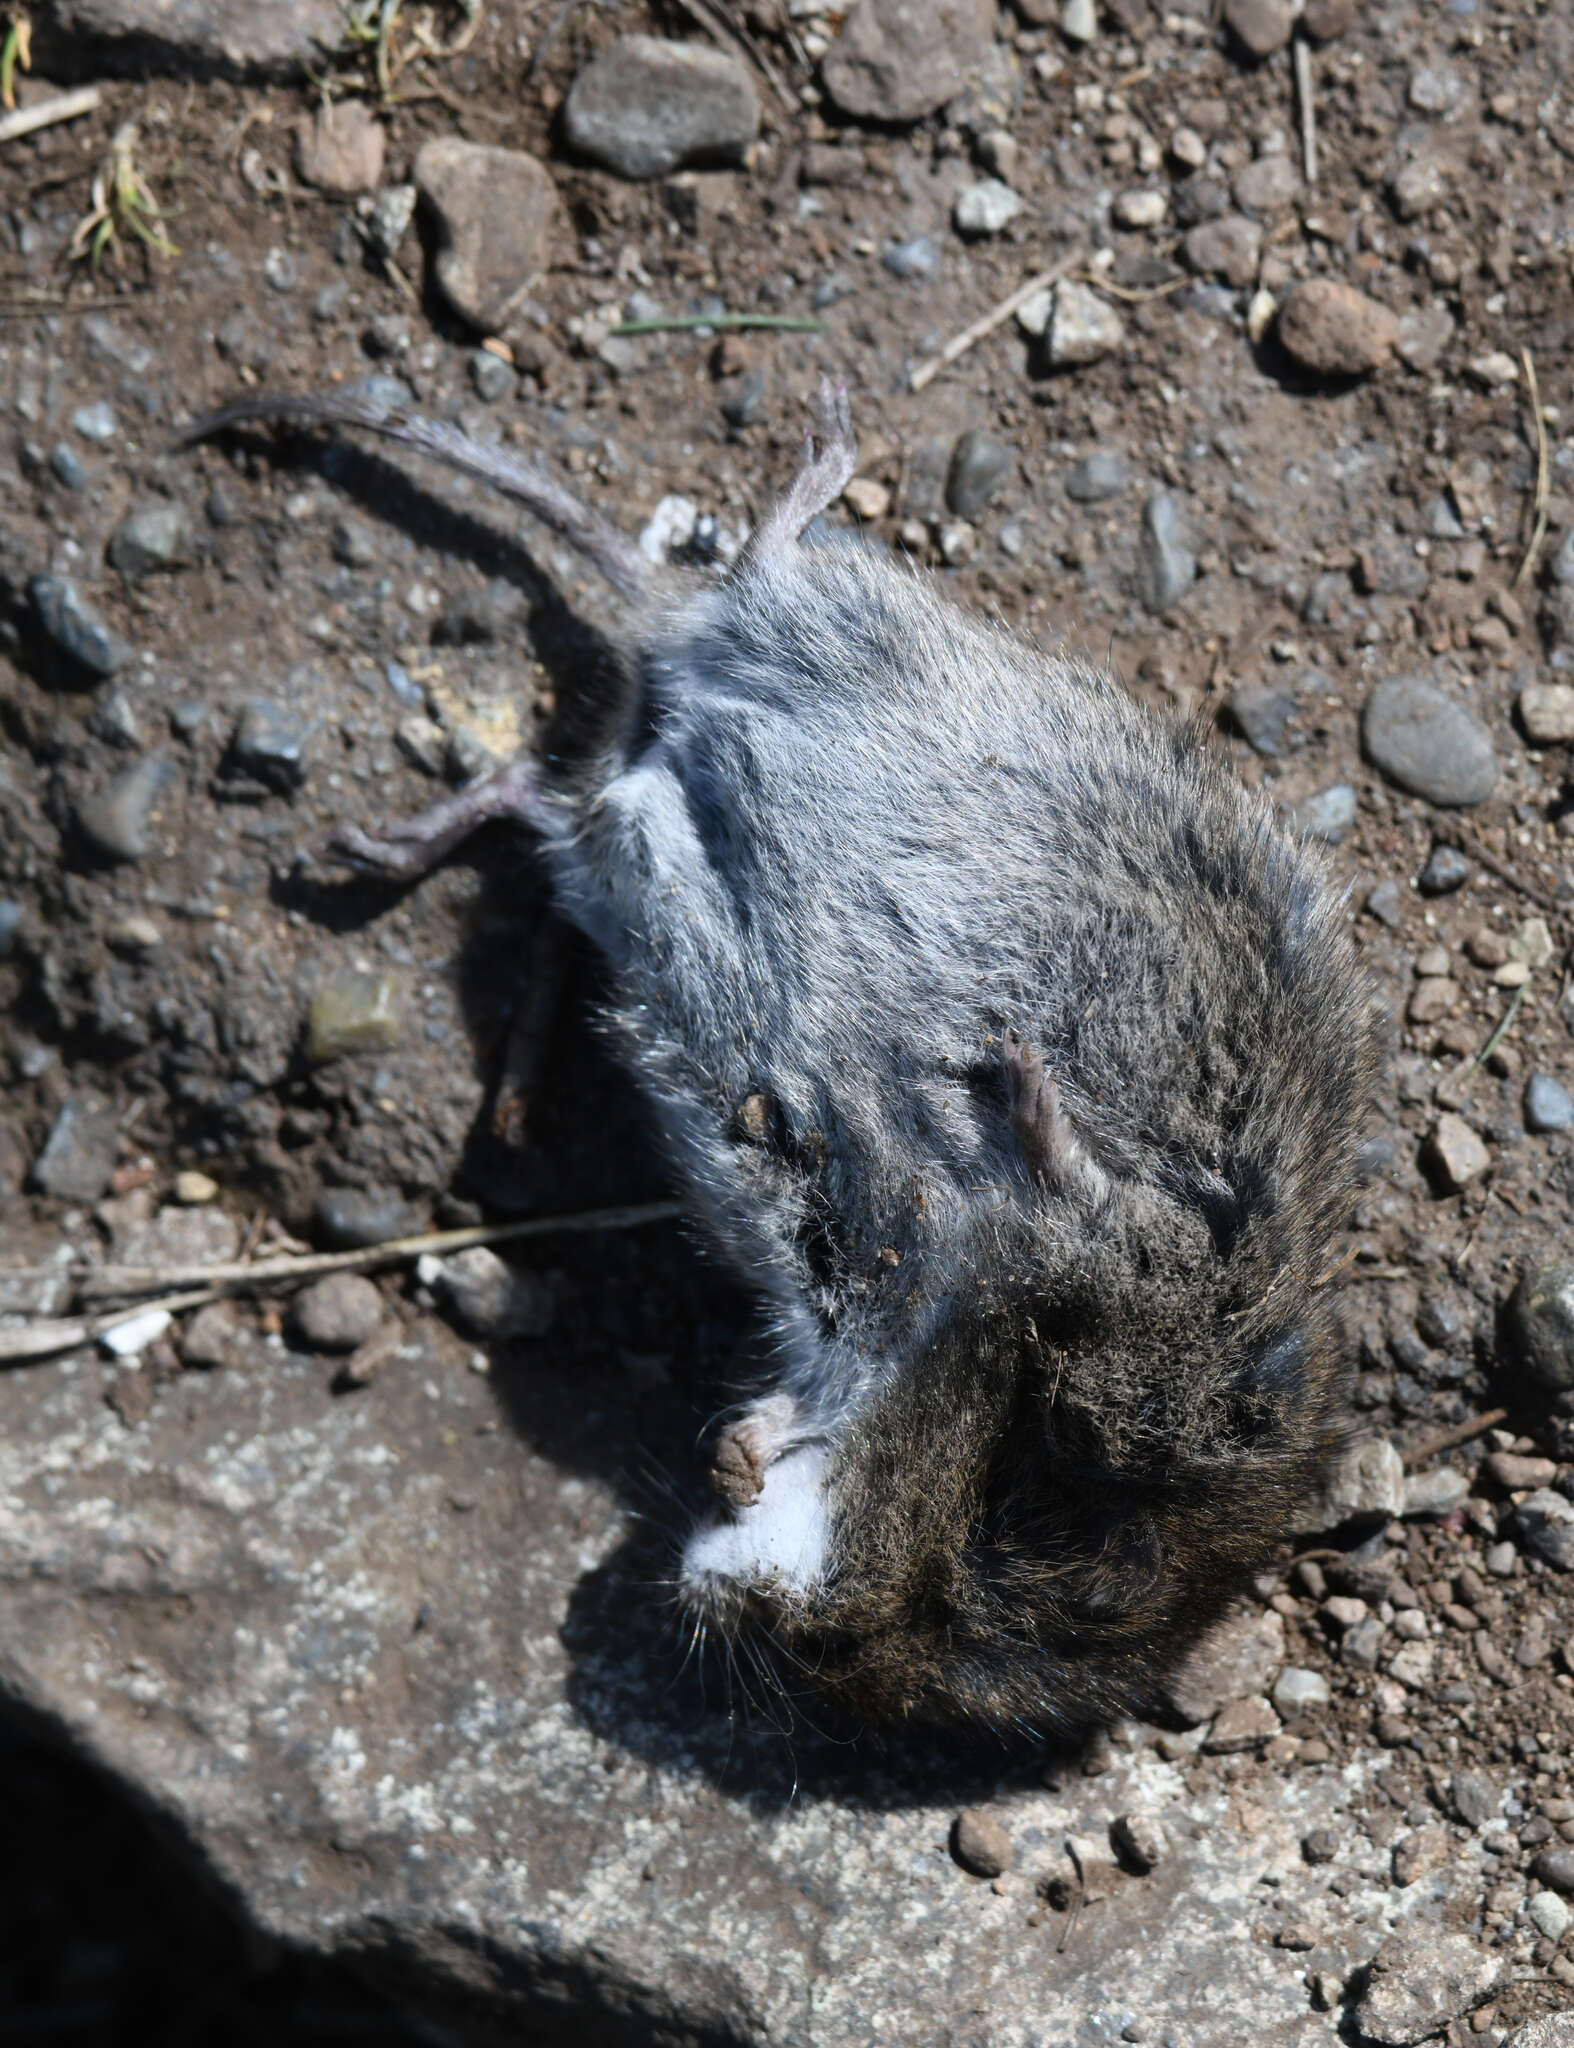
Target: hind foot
748 1445
821 476
411 847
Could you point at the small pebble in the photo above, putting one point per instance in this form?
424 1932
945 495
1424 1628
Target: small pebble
1541 1317
1082 326
980 1844
1267 186
78 632
1446 870
269 743
1140 209
644 107
1297 1690
353 1012
1334 330
1473 1797
1261 26
347 1218
1327 815
1548 1104
1552 1916
958 542
493 379
1555 1867
194 1189
1230 248
1437 1492
492 1298
1427 743
1079 22
1455 1152
96 422
979 466
152 537
1139 1839
1545 1521
867 498
1097 477
1166 569
337 1313
117 820
917 259
1262 715
340 149
69 468
214 1338
1546 710
744 404
985 208
79 1155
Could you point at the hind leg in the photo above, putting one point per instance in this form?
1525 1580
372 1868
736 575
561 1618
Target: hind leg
410 847
821 476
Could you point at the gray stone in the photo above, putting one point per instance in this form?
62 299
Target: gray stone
898 60
150 538
1366 1485
389 220
745 402
1473 1797
1230 248
1139 1840
1327 815
1267 185
1548 1104
1385 901
116 821
68 467
1083 327
492 377
240 39
1545 1522
1428 744
918 258
1097 477
1541 1317
1552 2030
1362 1644
179 1236
492 1298
980 1844
270 743
985 207
496 210
1235 1661
1420 1982
78 632
979 466
1547 712
1260 26
338 1312
10 925
80 1152
1437 1492
1297 1690
1561 567
340 149
1166 569
347 1218
1455 1153
96 422
216 1337
1555 1866
1446 870
644 107
1261 714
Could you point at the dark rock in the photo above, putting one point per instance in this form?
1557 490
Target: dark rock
1555 1867
495 211
979 466
1320 1846
1166 569
980 1844
153 537
1446 870
493 379
645 107
1541 1316
1327 815
1427 743
270 744
1097 477
1548 1104
10 925
1261 714
1200 199
240 39
1545 1521
898 60
347 1218
116 820
79 1156
79 633
69 468
338 1312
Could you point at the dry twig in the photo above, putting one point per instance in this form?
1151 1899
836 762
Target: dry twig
51 1334
1450 1439
997 316
1308 110
65 106
1538 529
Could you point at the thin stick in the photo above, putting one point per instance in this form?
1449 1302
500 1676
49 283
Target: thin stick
782 323
65 106
1450 1439
1538 530
997 316
1303 94
1132 295
67 1333
94 1281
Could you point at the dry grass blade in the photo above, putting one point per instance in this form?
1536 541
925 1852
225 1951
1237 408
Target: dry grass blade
1538 528
65 106
1308 110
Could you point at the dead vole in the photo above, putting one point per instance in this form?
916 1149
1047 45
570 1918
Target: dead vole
1010 1051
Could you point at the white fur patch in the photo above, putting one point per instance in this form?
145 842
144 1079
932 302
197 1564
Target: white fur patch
781 1536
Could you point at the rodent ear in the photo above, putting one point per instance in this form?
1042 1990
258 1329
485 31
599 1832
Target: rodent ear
1049 1141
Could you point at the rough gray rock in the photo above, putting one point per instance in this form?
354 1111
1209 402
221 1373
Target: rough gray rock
1166 568
1096 477
79 1154
1230 248
979 466
150 538
78 632
898 60
243 39
117 820
492 1298
1421 739
391 1667
1545 1521
1366 1485
645 107
1418 1985
1541 1316
495 210
1237 1659
1554 2030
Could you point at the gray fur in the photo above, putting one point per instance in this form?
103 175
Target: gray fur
906 883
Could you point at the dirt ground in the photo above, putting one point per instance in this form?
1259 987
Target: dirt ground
1344 533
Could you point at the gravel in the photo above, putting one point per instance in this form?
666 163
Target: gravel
645 108
917 259
1430 745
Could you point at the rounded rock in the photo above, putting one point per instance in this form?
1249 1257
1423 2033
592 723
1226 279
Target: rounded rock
1546 710
1446 870
917 259
495 211
338 1312
341 148
980 1844
1260 26
898 60
1555 1867
1335 331
645 107
1268 185
150 538
1096 477
1297 1690
1428 744
349 1218
1548 1104
979 466
1325 19
985 207
1142 208
1082 326
1166 569
492 1298
1230 247
78 632
1139 1840
194 1190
